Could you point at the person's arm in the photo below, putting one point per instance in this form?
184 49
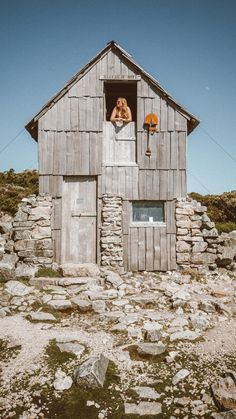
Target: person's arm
129 119
113 116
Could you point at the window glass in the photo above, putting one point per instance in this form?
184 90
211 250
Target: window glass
148 211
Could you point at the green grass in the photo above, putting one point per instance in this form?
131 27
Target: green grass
47 273
225 227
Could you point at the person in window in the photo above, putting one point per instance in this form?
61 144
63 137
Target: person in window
121 112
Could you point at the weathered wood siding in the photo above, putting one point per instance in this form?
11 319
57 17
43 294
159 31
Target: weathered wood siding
75 140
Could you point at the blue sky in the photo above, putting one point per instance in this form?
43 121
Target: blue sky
187 45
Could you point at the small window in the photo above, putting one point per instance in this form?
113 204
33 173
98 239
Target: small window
113 90
148 212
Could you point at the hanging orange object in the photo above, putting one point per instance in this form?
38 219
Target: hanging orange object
151 122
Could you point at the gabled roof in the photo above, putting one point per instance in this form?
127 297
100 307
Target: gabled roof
193 121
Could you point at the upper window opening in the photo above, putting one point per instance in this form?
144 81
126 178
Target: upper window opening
148 211
114 90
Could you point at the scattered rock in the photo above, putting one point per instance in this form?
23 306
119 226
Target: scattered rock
231 414
179 376
152 331
60 305
62 381
153 349
71 347
92 373
185 335
16 288
82 305
41 316
114 279
224 393
199 322
147 393
143 408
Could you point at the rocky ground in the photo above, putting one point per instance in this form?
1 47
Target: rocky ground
103 345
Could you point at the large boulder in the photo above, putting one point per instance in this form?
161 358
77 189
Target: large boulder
224 392
92 373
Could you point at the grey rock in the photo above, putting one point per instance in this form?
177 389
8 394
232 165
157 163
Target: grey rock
99 306
152 331
71 347
147 392
24 270
224 393
16 288
3 313
185 335
41 316
80 269
153 349
199 247
199 321
82 305
60 305
104 295
143 408
179 376
179 322
67 282
62 381
207 306
39 233
40 213
231 414
92 373
114 279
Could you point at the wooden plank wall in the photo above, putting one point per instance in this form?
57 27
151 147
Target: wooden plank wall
71 143
133 184
151 249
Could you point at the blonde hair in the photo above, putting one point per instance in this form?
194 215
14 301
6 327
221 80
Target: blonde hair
123 111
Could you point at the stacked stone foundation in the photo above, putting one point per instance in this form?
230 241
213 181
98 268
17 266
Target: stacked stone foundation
111 232
198 241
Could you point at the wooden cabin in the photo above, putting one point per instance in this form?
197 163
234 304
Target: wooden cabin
112 204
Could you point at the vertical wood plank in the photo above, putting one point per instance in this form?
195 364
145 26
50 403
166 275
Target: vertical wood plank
163 266
182 150
59 155
170 217
163 116
171 118
163 184
141 249
126 251
163 150
74 114
133 249
149 249
180 122
174 155
142 185
157 249
126 206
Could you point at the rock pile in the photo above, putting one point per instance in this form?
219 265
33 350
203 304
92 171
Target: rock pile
151 326
198 241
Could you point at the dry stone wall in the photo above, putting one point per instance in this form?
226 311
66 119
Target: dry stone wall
32 230
111 232
198 241
26 239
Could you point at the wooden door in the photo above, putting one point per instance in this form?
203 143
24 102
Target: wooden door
79 220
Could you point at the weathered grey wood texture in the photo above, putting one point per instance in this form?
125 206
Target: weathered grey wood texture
74 140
